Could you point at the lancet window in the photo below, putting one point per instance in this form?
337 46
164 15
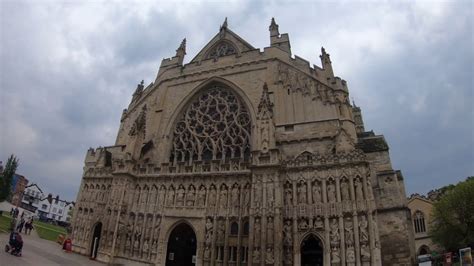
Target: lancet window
215 126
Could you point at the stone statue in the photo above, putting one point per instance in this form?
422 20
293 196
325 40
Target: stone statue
318 223
288 195
207 253
334 234
303 225
331 192
180 197
235 196
288 234
270 231
364 236
316 193
257 232
256 255
269 256
246 197
345 191
335 257
350 255
302 190
288 257
349 231
161 196
146 247
170 200
221 231
209 226
212 196
364 252
223 198
202 196
258 194
359 191
270 197
190 196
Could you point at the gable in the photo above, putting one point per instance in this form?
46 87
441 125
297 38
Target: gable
224 43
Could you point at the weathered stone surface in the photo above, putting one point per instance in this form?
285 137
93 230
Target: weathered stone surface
257 152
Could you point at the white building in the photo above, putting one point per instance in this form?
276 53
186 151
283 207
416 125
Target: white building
58 210
32 197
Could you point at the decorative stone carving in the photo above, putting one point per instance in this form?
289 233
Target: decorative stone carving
180 196
335 257
364 235
223 198
220 231
334 234
288 233
257 232
207 253
288 194
270 194
359 189
247 196
318 223
212 196
190 196
269 256
139 124
303 224
302 192
288 256
364 252
350 256
201 196
170 199
235 196
349 231
316 193
331 192
209 227
222 49
345 190
270 231
215 126
256 255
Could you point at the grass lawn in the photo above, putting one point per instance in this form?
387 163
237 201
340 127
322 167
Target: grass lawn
49 231
5 223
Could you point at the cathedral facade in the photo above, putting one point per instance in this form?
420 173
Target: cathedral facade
243 157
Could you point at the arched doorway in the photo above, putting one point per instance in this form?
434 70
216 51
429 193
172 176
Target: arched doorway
312 251
181 249
95 240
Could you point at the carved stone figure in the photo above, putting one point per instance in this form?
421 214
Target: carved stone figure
318 223
223 198
303 225
180 196
207 253
302 192
364 252
170 199
317 193
212 196
288 233
257 232
201 196
269 256
359 190
235 196
270 196
350 255
331 192
256 255
335 257
209 227
364 236
349 231
334 234
289 195
270 231
345 191
247 197
220 231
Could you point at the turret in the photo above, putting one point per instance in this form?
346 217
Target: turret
359 122
326 63
181 52
276 40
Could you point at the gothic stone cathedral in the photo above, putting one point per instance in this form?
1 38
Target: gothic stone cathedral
243 157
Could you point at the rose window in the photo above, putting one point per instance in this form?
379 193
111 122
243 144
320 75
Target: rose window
215 126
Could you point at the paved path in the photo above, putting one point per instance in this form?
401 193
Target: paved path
37 251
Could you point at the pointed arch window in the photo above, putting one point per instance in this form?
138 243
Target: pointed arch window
419 222
214 126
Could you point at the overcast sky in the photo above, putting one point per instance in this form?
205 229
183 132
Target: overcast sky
68 68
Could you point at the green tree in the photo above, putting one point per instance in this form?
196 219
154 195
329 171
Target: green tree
7 177
453 217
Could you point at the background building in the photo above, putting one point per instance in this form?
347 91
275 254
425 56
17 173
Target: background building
243 157
58 210
32 197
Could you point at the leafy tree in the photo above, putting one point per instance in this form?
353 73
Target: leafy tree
453 217
7 177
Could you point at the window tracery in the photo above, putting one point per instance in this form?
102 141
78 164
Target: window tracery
222 49
215 126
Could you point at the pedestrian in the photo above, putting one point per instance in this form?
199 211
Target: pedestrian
16 212
21 225
12 211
